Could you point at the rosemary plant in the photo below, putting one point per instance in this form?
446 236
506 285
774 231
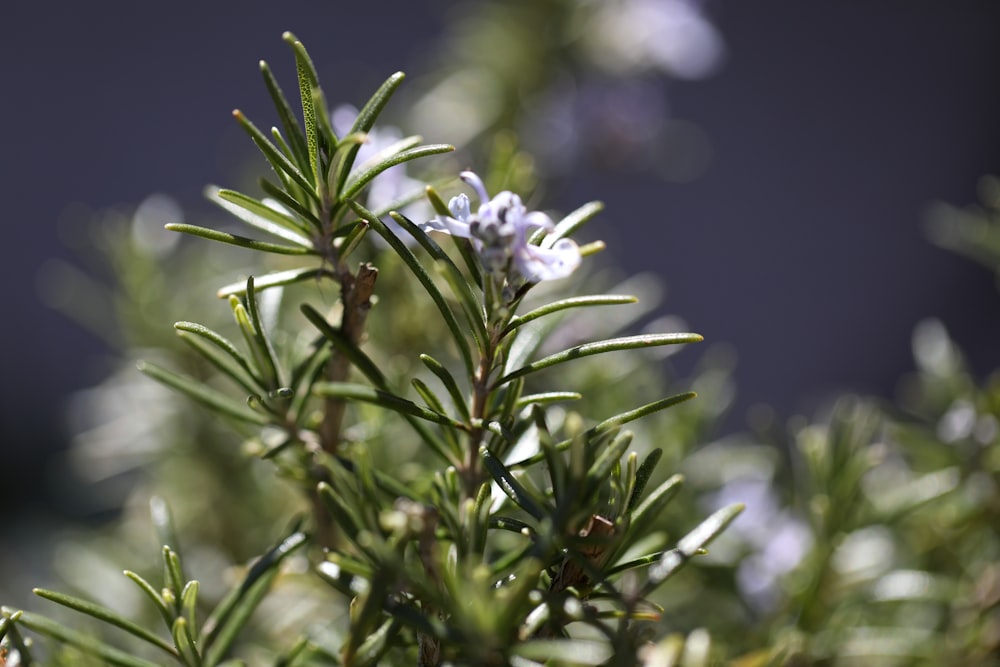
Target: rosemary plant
452 507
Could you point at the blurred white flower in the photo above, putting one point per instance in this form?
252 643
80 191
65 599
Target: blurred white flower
777 539
674 36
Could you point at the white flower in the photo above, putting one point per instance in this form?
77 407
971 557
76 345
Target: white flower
499 230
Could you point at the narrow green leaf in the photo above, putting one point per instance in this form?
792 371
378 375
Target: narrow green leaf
471 306
425 280
572 222
189 602
228 618
642 477
449 382
287 116
309 371
327 136
377 643
614 422
601 347
355 184
202 394
221 354
511 524
152 594
510 486
367 613
307 79
8 630
258 214
642 561
366 119
642 411
268 361
430 398
344 346
185 642
598 473
163 522
85 643
653 505
106 615
276 279
174 573
384 153
279 162
565 651
385 482
384 399
290 202
691 545
245 313
437 203
575 302
242 241
344 513
352 240
547 397
5 622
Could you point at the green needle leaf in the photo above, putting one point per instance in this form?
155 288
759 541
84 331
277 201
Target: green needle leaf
547 397
385 399
449 382
362 179
366 119
642 477
281 164
572 222
575 302
471 306
565 651
642 411
421 274
242 241
106 615
181 632
228 618
509 484
287 116
81 642
653 505
152 594
600 347
344 346
260 215
221 353
691 545
208 397
276 279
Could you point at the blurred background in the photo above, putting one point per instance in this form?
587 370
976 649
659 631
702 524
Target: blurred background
776 175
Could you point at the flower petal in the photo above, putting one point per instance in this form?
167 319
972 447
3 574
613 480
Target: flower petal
447 225
459 207
537 264
473 179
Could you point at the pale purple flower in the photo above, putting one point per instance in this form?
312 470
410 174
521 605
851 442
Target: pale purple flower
500 230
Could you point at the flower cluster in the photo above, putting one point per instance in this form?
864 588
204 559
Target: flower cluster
499 230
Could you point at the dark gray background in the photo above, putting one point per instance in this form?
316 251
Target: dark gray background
833 124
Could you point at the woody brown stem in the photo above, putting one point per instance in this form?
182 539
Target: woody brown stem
356 292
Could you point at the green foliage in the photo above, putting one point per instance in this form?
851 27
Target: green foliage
386 452
518 535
